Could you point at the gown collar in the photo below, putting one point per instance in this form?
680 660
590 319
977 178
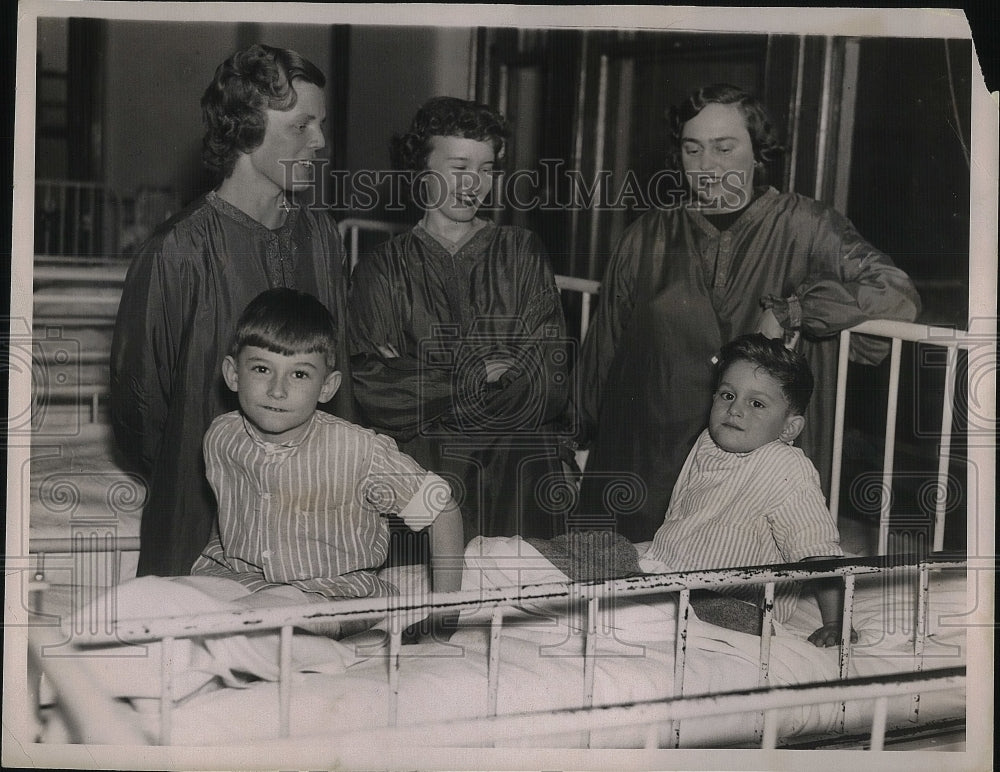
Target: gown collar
473 244
237 214
751 213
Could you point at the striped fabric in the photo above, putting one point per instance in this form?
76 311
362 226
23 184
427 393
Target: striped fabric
309 514
745 509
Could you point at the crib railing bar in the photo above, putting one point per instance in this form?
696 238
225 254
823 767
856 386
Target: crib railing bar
285 644
81 692
846 647
764 675
889 452
493 671
947 414
846 625
251 620
680 658
62 221
569 720
765 635
354 247
588 288
879 716
75 322
81 358
948 338
589 658
42 546
590 649
920 631
166 690
109 305
840 408
395 646
97 274
916 333
769 735
352 227
60 544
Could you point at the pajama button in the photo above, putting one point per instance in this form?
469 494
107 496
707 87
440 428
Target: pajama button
266 554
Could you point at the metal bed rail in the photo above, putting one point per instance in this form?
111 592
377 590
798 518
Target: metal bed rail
952 341
655 714
594 600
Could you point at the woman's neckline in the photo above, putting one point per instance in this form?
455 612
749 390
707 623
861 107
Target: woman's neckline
234 212
453 247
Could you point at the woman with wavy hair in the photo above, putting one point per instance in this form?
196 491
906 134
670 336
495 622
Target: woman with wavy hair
263 114
457 332
735 256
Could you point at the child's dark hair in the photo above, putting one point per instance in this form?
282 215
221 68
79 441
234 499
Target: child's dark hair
252 80
448 117
287 321
789 368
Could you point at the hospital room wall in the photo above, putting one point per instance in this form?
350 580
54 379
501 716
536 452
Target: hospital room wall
152 120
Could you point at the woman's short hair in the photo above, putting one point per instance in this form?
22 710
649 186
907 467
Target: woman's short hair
287 321
448 117
252 80
763 136
789 368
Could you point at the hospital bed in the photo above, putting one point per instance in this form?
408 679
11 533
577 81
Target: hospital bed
544 663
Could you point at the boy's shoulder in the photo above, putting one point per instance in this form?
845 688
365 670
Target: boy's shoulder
788 461
223 422
329 424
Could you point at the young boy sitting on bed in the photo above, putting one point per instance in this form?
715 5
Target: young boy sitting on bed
301 493
745 495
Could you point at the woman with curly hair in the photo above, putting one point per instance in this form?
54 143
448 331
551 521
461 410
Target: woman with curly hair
263 113
735 257
457 332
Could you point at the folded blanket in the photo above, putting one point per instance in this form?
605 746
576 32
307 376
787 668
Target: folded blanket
728 612
590 556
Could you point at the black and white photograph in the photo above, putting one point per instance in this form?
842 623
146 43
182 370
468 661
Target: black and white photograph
500 387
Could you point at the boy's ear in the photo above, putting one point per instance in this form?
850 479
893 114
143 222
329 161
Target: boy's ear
793 427
230 373
330 386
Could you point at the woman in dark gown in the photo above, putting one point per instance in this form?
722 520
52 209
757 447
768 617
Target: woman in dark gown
188 284
458 337
736 257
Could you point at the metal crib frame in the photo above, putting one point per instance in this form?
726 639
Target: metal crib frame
595 599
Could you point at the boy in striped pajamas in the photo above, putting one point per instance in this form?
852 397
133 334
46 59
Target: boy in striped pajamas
302 494
745 495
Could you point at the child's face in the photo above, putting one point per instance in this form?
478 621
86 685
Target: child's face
279 393
460 178
749 410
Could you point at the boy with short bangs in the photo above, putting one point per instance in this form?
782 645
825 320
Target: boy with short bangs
745 495
302 494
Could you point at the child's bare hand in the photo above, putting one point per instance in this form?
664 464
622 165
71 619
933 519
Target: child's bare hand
829 635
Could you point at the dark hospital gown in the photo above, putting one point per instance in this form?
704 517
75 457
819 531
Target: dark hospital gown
422 323
183 294
675 290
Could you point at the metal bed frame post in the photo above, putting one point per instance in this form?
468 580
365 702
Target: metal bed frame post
286 641
680 657
764 676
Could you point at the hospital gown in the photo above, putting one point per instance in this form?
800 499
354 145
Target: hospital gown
183 294
675 290
424 322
